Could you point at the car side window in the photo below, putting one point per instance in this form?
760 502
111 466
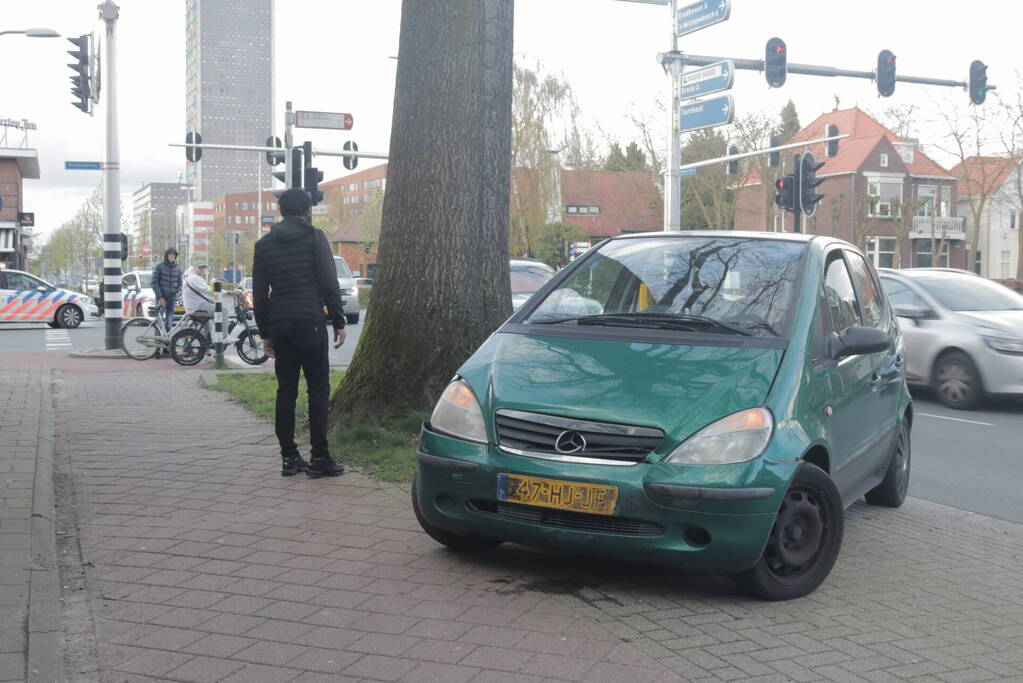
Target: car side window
899 293
840 294
20 281
871 304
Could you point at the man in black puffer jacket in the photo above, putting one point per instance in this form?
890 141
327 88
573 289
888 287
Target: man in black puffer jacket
293 277
167 285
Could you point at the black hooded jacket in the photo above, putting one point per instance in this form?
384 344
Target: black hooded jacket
167 279
293 276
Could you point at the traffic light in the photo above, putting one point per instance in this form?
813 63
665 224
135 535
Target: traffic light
775 62
885 73
786 196
808 182
774 158
733 165
832 145
81 86
124 247
978 81
312 176
296 171
193 154
351 162
274 158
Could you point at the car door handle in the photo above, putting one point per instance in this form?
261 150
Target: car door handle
898 361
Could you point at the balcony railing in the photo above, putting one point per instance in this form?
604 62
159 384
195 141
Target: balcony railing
949 227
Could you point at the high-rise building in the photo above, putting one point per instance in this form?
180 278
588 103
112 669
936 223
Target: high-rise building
153 209
229 90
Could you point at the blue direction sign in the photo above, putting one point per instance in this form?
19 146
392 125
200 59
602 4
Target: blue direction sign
709 79
702 14
717 111
83 165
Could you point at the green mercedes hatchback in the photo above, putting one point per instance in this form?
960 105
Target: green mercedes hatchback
707 400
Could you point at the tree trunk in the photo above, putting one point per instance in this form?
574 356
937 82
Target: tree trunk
443 285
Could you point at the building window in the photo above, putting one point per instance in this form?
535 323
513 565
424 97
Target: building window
236 206
245 206
881 251
945 201
883 195
906 153
238 220
1013 220
926 195
573 209
922 257
1006 254
884 160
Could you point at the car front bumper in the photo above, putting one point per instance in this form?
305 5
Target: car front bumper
1002 373
700 519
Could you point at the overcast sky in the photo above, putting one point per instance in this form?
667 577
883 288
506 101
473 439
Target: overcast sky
606 49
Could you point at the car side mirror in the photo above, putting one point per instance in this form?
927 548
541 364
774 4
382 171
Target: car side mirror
857 340
913 312
41 288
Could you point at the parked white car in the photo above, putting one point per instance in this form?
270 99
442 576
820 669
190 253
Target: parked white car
349 291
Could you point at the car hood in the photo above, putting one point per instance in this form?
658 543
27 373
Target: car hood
678 389
1009 322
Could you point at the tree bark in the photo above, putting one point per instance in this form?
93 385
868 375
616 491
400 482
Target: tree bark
443 283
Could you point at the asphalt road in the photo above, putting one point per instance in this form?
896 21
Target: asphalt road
969 459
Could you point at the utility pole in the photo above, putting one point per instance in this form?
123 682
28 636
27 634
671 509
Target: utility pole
108 12
673 176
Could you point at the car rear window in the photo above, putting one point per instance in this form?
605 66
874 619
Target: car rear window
526 279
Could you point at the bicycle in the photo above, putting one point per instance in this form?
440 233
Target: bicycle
142 338
190 346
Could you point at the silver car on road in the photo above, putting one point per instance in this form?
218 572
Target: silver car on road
963 333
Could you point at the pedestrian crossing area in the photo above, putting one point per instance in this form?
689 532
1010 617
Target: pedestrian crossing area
57 340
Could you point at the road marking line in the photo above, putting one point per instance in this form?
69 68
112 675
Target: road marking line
958 419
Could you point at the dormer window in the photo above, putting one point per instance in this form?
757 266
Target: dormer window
884 160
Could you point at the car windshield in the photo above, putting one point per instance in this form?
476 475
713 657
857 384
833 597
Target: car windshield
967 293
527 278
706 284
342 268
146 279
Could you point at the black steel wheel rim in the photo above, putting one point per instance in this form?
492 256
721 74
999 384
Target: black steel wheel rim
801 532
188 348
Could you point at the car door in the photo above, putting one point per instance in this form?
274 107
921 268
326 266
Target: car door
851 422
922 337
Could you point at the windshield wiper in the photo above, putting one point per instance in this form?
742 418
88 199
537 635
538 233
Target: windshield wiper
675 321
684 318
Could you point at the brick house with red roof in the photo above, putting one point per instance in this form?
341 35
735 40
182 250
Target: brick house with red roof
988 196
871 186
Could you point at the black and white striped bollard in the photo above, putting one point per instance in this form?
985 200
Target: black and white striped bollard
218 323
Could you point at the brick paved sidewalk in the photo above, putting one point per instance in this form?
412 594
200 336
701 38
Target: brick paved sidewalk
30 642
203 564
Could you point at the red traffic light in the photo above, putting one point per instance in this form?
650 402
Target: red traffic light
778 49
779 184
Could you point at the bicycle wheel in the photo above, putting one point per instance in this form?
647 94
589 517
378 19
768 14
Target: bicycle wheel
138 338
188 347
250 347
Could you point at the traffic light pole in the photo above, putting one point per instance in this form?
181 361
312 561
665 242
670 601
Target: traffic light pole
797 215
761 152
108 12
289 129
818 70
673 174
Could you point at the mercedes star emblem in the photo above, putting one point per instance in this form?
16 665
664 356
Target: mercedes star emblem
569 442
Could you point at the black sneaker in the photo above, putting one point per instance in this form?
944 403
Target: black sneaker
292 465
324 467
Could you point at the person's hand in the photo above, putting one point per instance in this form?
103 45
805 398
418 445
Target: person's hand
339 337
161 302
268 346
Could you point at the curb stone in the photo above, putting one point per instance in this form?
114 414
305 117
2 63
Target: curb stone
45 640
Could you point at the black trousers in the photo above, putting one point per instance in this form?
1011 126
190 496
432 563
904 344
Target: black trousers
301 345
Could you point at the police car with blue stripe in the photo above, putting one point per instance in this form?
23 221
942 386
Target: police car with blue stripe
25 298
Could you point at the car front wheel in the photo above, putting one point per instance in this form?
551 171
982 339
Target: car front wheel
69 316
804 541
957 381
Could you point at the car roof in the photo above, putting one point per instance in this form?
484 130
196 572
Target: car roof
919 273
747 234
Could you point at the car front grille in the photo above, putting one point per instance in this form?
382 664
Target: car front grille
564 519
538 433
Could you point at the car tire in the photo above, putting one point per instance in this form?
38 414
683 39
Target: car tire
957 382
891 492
352 318
68 316
456 542
804 542
53 323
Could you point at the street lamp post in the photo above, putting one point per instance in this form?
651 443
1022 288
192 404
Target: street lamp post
35 33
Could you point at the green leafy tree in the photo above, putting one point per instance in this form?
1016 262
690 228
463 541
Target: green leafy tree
788 124
552 242
632 159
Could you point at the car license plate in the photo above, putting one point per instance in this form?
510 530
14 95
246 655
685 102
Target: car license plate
561 495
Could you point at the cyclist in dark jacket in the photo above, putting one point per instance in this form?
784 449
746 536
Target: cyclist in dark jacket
295 262
167 284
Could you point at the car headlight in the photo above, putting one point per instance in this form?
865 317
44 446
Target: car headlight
1004 344
738 437
458 413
